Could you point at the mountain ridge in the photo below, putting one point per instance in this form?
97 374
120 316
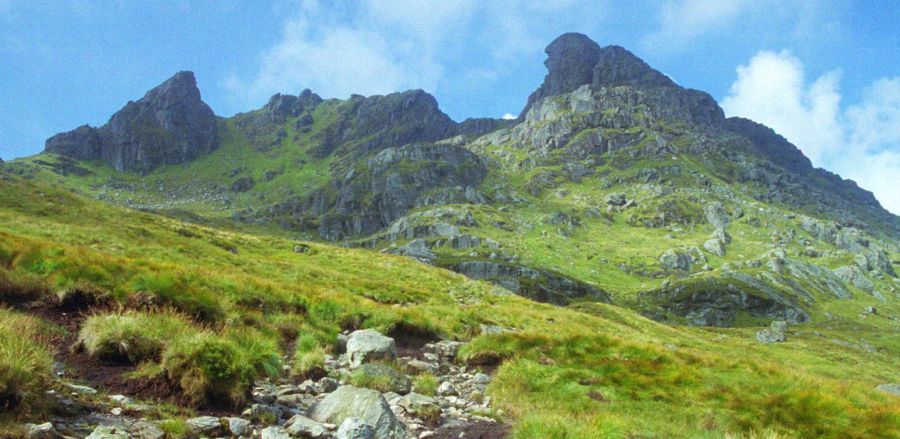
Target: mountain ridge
606 145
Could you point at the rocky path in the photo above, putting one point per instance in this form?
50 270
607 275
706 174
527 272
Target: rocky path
330 407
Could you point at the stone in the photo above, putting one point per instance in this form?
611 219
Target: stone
368 345
205 425
273 433
855 276
675 261
327 385
238 426
147 430
616 199
386 375
84 390
447 389
716 215
355 428
366 404
893 389
108 432
481 378
421 406
775 333
301 426
422 366
715 247
265 412
42 431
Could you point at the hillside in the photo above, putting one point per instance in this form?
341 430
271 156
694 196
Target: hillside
660 235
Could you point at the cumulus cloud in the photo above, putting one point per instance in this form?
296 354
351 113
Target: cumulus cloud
377 47
860 141
508 116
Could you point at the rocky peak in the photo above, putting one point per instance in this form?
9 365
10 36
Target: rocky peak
373 123
282 106
171 124
617 66
574 60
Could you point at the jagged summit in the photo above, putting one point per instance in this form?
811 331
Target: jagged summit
573 60
171 124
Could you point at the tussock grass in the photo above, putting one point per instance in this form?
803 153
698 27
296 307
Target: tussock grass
309 357
426 384
133 336
25 362
18 287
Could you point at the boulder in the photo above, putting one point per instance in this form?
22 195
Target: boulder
716 215
893 389
715 247
855 277
421 406
273 433
205 425
42 431
386 375
775 333
355 428
238 426
616 199
368 345
147 430
301 426
367 405
673 260
108 432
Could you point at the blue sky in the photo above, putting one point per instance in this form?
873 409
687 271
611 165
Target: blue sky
826 74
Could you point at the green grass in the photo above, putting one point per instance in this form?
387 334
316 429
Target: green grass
426 384
588 369
25 364
132 337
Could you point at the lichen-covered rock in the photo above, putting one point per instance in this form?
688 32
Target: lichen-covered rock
108 432
775 333
301 426
674 260
355 428
421 406
367 345
365 404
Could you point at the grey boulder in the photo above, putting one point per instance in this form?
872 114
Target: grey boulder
365 404
367 345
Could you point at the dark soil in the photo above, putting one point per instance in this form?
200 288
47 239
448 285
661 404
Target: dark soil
475 430
411 339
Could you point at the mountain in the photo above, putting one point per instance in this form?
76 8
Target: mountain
169 125
606 146
682 274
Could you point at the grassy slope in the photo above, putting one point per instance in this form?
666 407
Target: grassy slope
646 379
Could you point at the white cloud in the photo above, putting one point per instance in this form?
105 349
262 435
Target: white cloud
376 47
860 142
508 116
683 20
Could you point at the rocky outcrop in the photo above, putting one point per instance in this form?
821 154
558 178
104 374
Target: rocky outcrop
373 194
169 125
367 124
539 285
717 300
574 60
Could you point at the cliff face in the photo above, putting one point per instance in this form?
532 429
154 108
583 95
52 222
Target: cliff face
171 124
